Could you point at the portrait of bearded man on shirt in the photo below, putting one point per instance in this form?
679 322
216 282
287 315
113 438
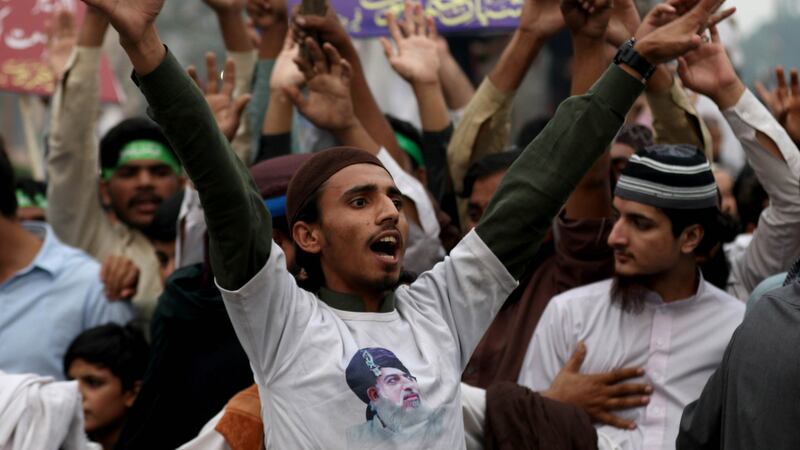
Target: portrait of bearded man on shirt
395 407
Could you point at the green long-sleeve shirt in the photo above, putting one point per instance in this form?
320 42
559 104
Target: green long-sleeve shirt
532 192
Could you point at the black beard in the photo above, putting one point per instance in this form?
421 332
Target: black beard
628 292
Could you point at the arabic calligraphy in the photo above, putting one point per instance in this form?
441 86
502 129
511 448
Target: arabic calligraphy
26 75
449 13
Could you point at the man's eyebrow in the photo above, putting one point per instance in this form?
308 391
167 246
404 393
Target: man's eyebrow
361 189
394 191
637 216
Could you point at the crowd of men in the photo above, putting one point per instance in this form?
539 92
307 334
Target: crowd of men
195 279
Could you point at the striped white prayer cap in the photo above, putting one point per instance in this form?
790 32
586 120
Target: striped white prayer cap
669 176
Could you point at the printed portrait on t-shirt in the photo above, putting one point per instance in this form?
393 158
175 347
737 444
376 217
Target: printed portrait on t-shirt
396 409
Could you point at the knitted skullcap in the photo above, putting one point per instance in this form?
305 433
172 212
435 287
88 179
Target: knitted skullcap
669 176
317 170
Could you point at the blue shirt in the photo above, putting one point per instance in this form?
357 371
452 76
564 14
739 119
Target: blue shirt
44 306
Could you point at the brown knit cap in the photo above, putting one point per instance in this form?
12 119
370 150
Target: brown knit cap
316 171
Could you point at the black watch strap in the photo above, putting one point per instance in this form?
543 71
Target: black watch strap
630 57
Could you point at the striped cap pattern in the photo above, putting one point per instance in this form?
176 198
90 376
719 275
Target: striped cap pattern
669 176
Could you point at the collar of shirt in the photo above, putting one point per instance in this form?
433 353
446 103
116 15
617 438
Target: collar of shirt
654 300
47 259
353 303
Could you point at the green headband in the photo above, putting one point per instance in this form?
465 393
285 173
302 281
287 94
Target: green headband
24 200
143 149
411 148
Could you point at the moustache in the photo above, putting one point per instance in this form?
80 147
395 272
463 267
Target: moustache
145 198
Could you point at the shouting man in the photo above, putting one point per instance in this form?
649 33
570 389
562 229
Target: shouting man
346 217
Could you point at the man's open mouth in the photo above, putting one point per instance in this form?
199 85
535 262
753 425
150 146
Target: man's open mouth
387 246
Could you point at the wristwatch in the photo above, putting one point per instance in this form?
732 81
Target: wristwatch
627 55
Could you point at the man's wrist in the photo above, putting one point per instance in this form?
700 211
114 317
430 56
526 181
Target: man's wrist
147 53
661 81
729 96
427 85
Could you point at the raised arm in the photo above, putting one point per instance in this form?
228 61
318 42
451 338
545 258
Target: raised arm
277 125
239 226
769 150
417 60
74 208
485 125
330 30
592 197
241 50
565 150
784 101
271 19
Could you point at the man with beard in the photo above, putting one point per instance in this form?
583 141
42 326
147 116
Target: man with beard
395 409
346 217
138 170
657 312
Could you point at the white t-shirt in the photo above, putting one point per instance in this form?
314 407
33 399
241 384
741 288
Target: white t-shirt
300 350
679 345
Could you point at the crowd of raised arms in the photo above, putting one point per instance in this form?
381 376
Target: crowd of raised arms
267 260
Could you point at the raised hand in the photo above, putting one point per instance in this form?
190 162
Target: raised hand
623 23
784 101
599 394
708 71
679 36
587 18
416 58
62 36
227 110
120 277
266 13
327 28
327 77
285 73
131 18
541 18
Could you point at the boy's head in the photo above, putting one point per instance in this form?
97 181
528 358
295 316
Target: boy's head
345 216
108 362
139 171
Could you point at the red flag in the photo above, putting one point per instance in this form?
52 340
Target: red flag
23 67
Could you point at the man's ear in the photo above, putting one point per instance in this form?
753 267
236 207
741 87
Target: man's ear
105 192
130 395
372 393
691 238
307 237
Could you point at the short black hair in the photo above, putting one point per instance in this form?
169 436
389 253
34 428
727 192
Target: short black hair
164 227
8 196
488 165
126 131
121 349
717 226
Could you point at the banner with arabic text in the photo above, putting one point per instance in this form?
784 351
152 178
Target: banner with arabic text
366 18
23 67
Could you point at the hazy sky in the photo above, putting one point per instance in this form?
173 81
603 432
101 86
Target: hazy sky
751 13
